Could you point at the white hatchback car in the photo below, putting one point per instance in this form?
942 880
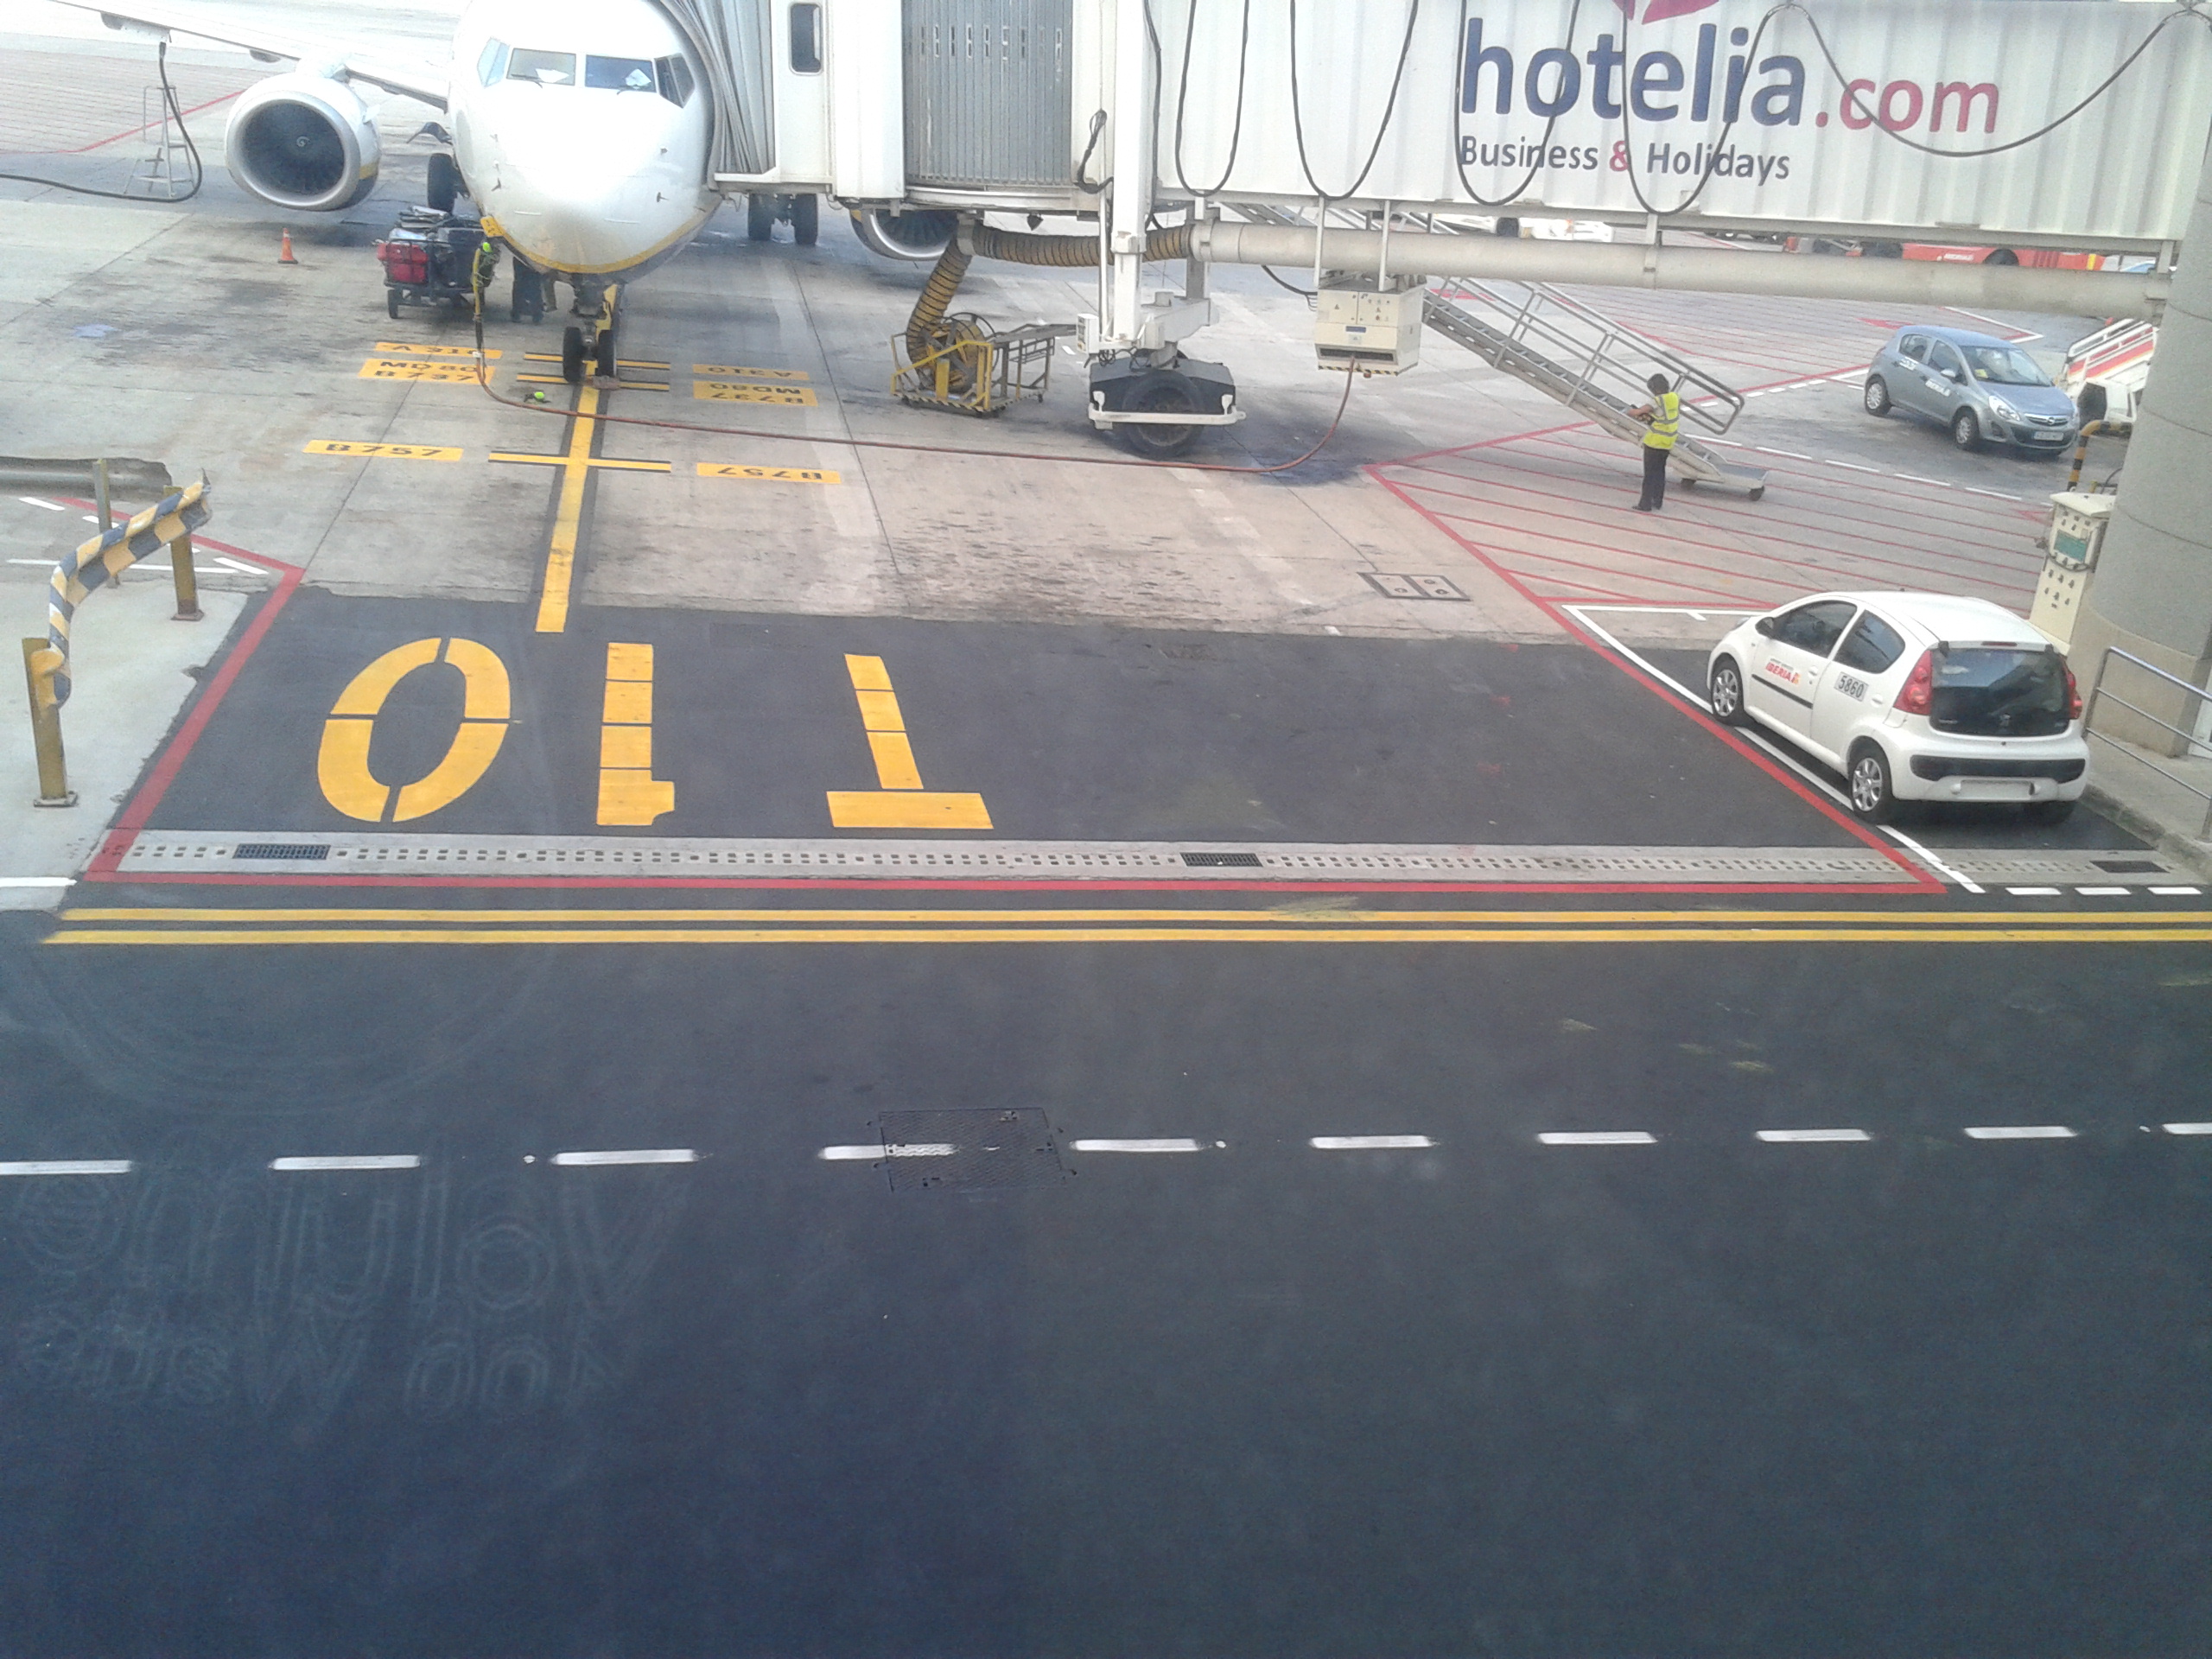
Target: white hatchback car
1913 696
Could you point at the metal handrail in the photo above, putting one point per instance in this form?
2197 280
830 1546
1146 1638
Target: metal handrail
1611 349
2189 740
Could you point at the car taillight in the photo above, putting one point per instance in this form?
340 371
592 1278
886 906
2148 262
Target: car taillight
2073 697
1917 695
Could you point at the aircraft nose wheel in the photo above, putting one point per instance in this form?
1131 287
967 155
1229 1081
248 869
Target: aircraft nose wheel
603 359
572 355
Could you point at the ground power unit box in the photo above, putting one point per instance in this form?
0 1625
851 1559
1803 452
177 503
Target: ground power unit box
1377 330
2077 531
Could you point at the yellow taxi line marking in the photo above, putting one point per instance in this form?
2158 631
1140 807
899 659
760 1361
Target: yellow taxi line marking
619 362
439 350
769 474
626 385
385 451
560 555
2096 920
592 460
738 371
1097 935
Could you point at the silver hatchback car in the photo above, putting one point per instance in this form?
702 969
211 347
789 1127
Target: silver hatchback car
1984 389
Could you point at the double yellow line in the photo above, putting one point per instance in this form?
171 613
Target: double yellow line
862 925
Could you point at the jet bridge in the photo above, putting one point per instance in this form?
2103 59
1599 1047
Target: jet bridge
2078 126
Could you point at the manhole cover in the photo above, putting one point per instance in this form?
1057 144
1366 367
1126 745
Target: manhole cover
966 1150
1412 587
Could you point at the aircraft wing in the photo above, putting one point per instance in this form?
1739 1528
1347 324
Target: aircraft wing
425 81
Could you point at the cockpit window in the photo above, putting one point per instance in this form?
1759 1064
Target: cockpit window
618 75
546 68
676 81
491 64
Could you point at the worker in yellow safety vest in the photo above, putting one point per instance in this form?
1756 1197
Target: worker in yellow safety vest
1662 416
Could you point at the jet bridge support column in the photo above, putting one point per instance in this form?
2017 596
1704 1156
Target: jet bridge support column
2153 593
1121 300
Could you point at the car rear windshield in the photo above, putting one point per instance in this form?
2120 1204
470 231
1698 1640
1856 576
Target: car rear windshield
1999 691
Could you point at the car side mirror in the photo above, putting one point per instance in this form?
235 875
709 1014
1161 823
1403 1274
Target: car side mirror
1765 626
1953 374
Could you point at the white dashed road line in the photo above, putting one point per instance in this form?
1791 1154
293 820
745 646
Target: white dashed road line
1914 478
2033 892
1791 454
1813 1135
2187 1128
33 501
374 1161
2021 1132
68 1166
642 1155
1854 466
1598 1138
1137 1145
1368 1142
2000 495
2177 893
2102 892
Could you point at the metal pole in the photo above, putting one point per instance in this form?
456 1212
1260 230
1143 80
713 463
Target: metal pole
188 584
100 496
46 730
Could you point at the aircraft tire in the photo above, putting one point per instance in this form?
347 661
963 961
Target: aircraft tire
603 361
572 355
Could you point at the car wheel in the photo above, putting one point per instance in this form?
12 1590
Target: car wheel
1878 397
1724 691
1966 430
1869 777
2048 811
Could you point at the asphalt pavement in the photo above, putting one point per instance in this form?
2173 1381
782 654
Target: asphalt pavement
1697 1392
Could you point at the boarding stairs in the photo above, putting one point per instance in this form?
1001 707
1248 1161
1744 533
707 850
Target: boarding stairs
1572 352
2116 357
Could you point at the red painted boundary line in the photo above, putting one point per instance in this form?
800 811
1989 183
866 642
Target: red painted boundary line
132 132
171 760
140 808
1923 882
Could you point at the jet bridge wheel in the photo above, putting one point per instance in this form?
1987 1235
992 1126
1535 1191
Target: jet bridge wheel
806 220
572 355
1165 392
759 217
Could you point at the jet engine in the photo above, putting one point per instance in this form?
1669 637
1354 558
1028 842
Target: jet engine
302 141
916 233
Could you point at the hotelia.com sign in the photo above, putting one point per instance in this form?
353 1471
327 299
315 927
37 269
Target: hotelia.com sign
1653 87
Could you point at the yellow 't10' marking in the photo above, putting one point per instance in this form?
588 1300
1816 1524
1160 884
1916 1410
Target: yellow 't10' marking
729 392
387 451
628 792
772 474
342 763
738 371
432 351
401 368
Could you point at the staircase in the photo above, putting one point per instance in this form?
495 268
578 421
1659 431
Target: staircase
1574 353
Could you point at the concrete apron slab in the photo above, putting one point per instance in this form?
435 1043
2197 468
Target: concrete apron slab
133 670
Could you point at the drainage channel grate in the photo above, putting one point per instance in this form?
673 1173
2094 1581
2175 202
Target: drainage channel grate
309 849
970 1150
1221 861
2129 866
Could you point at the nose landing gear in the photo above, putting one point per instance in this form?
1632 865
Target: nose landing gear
594 339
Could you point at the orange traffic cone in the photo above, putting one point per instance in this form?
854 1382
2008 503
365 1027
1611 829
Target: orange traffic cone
284 254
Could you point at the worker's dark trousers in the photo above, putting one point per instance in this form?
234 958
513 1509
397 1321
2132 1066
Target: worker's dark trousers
1655 480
